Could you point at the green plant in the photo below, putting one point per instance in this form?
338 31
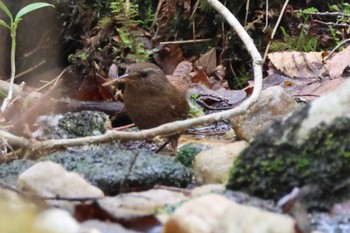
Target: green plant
125 14
12 26
306 16
305 41
342 18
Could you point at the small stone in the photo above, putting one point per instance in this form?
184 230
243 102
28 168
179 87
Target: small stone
215 213
56 221
212 166
140 204
49 179
274 103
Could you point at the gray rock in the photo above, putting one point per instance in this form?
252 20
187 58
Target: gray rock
71 125
273 104
310 147
111 169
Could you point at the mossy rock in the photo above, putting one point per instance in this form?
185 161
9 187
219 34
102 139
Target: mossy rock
188 152
272 165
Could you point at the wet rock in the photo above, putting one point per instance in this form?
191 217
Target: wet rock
111 169
215 213
327 223
213 165
72 125
273 104
48 179
310 147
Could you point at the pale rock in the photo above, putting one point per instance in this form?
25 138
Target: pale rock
56 221
325 110
49 179
213 165
206 189
213 213
140 204
274 103
14 202
98 226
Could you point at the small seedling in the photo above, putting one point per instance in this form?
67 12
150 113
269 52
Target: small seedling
12 26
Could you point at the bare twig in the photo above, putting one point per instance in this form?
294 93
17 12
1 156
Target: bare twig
246 12
3 185
336 48
344 25
185 41
53 81
30 69
266 15
169 127
324 13
275 29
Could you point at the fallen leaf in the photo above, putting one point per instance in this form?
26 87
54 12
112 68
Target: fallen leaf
168 57
201 77
298 64
338 63
207 61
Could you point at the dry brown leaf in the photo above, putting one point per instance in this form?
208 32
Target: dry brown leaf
309 89
168 57
181 78
166 10
207 61
230 97
201 77
316 88
338 63
299 64
183 69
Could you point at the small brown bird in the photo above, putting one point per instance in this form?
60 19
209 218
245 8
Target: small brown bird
150 99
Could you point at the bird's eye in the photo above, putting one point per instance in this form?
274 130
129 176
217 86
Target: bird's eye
143 74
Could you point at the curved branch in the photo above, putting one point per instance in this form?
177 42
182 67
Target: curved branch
173 126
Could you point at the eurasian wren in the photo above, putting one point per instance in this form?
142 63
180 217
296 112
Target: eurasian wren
150 99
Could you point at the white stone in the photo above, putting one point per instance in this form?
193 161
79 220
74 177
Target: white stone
213 213
213 166
56 221
49 179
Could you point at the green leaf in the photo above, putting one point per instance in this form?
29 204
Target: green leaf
2 23
310 10
334 8
29 8
6 10
125 37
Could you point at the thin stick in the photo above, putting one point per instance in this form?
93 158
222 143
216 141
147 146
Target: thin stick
54 81
275 29
246 12
266 16
185 41
335 48
323 13
30 69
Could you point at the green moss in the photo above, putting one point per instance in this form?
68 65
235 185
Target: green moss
346 154
187 153
270 168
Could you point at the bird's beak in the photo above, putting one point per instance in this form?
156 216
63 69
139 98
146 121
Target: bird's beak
116 80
